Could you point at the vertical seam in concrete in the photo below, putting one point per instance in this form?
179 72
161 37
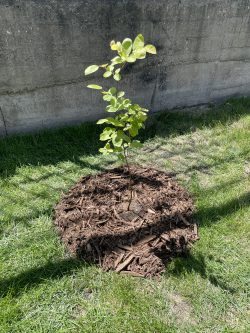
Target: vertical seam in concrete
4 122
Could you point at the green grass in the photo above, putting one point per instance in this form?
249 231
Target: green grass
43 289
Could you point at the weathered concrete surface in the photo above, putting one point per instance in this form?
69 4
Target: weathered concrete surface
203 55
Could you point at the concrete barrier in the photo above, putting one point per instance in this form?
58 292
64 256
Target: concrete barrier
203 56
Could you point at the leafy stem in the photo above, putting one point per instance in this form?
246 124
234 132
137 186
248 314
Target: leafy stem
119 135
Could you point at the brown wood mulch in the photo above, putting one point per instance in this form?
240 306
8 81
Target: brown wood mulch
94 222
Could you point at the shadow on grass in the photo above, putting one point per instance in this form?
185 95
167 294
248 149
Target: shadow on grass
207 216
72 143
197 264
55 270
172 123
107 243
50 148
30 278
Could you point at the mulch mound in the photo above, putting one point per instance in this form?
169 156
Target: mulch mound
94 221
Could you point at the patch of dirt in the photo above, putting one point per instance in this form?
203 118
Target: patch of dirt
181 309
94 222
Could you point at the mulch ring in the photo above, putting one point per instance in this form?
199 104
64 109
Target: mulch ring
95 224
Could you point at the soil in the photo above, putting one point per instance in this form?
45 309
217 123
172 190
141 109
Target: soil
94 222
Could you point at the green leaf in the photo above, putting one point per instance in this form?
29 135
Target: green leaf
124 117
150 49
103 151
117 139
131 58
101 121
133 130
120 106
117 77
94 86
136 144
106 149
103 66
114 121
140 54
141 116
118 149
112 90
126 103
120 94
107 98
110 68
127 45
138 42
136 107
115 46
116 60
124 136
107 74
111 108
91 69
131 111
113 101
106 134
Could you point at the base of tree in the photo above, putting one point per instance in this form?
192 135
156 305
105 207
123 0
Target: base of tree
95 224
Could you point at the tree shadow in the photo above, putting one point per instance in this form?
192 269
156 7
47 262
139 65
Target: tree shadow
31 278
197 264
207 216
104 244
189 263
51 147
165 124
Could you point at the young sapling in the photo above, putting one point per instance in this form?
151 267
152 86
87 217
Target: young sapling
119 136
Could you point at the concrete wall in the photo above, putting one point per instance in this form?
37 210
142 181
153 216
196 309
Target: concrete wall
204 54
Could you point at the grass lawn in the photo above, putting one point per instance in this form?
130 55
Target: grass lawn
43 289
